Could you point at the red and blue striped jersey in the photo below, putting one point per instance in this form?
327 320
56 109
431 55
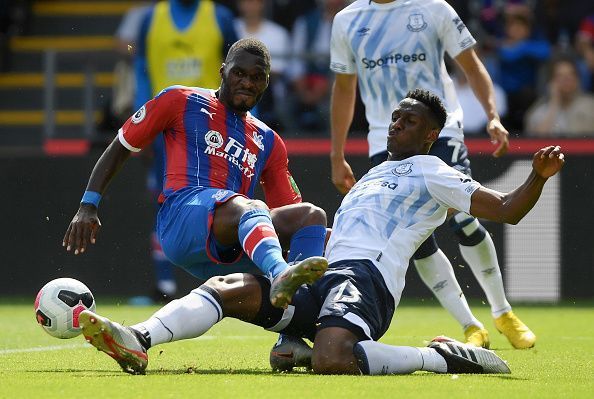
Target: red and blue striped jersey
209 145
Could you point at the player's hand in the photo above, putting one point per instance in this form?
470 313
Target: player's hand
499 135
342 175
548 161
82 229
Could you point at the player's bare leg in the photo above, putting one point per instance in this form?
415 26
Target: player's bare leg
339 351
249 223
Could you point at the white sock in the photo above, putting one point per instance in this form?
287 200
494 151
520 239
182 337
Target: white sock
375 358
437 273
482 260
187 317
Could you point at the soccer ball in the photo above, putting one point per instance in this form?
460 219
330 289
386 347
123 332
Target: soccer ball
58 305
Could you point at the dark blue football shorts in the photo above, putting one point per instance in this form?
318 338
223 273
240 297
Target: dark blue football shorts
351 294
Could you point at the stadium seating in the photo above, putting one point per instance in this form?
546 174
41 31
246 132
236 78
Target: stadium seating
80 33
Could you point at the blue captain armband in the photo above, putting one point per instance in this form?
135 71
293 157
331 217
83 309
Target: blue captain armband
91 197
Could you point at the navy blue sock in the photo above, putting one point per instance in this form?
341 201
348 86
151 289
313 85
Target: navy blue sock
307 242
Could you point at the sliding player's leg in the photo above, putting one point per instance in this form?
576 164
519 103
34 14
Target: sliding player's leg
236 295
437 273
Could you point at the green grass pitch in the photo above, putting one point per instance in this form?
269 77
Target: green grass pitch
231 360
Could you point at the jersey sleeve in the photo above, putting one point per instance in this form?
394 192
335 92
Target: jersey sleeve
449 187
453 32
341 55
279 186
152 118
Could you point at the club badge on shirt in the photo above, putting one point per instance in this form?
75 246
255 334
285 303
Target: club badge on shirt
403 169
416 22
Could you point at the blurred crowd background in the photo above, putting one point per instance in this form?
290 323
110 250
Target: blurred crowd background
71 72
540 54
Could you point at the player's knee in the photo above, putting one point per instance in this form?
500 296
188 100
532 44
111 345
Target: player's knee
254 204
313 215
334 362
220 283
228 215
427 248
238 294
468 229
333 354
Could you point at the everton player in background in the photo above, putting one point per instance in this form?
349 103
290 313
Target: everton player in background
387 48
216 152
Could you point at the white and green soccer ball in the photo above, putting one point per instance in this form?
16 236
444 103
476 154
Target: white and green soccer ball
58 305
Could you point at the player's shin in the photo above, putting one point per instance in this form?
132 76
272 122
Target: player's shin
376 358
482 259
260 242
437 273
187 317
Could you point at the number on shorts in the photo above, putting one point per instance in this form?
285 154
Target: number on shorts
456 151
346 293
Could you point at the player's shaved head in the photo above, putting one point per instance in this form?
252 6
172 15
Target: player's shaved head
437 112
252 46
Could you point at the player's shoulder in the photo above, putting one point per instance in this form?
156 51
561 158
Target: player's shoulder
430 164
183 92
351 10
436 172
432 9
431 3
260 126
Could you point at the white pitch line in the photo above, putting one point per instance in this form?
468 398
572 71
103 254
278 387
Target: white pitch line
42 348
242 337
84 345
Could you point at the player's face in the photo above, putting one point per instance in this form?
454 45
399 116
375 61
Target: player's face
244 80
410 132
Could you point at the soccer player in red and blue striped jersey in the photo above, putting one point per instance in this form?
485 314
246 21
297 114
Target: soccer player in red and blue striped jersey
216 153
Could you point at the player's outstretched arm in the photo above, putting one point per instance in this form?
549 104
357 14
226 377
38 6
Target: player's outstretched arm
342 108
84 226
513 206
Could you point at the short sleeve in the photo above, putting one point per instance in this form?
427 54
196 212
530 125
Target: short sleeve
449 187
155 116
341 55
279 186
453 32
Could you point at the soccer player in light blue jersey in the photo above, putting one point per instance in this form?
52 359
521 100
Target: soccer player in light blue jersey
378 227
388 47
